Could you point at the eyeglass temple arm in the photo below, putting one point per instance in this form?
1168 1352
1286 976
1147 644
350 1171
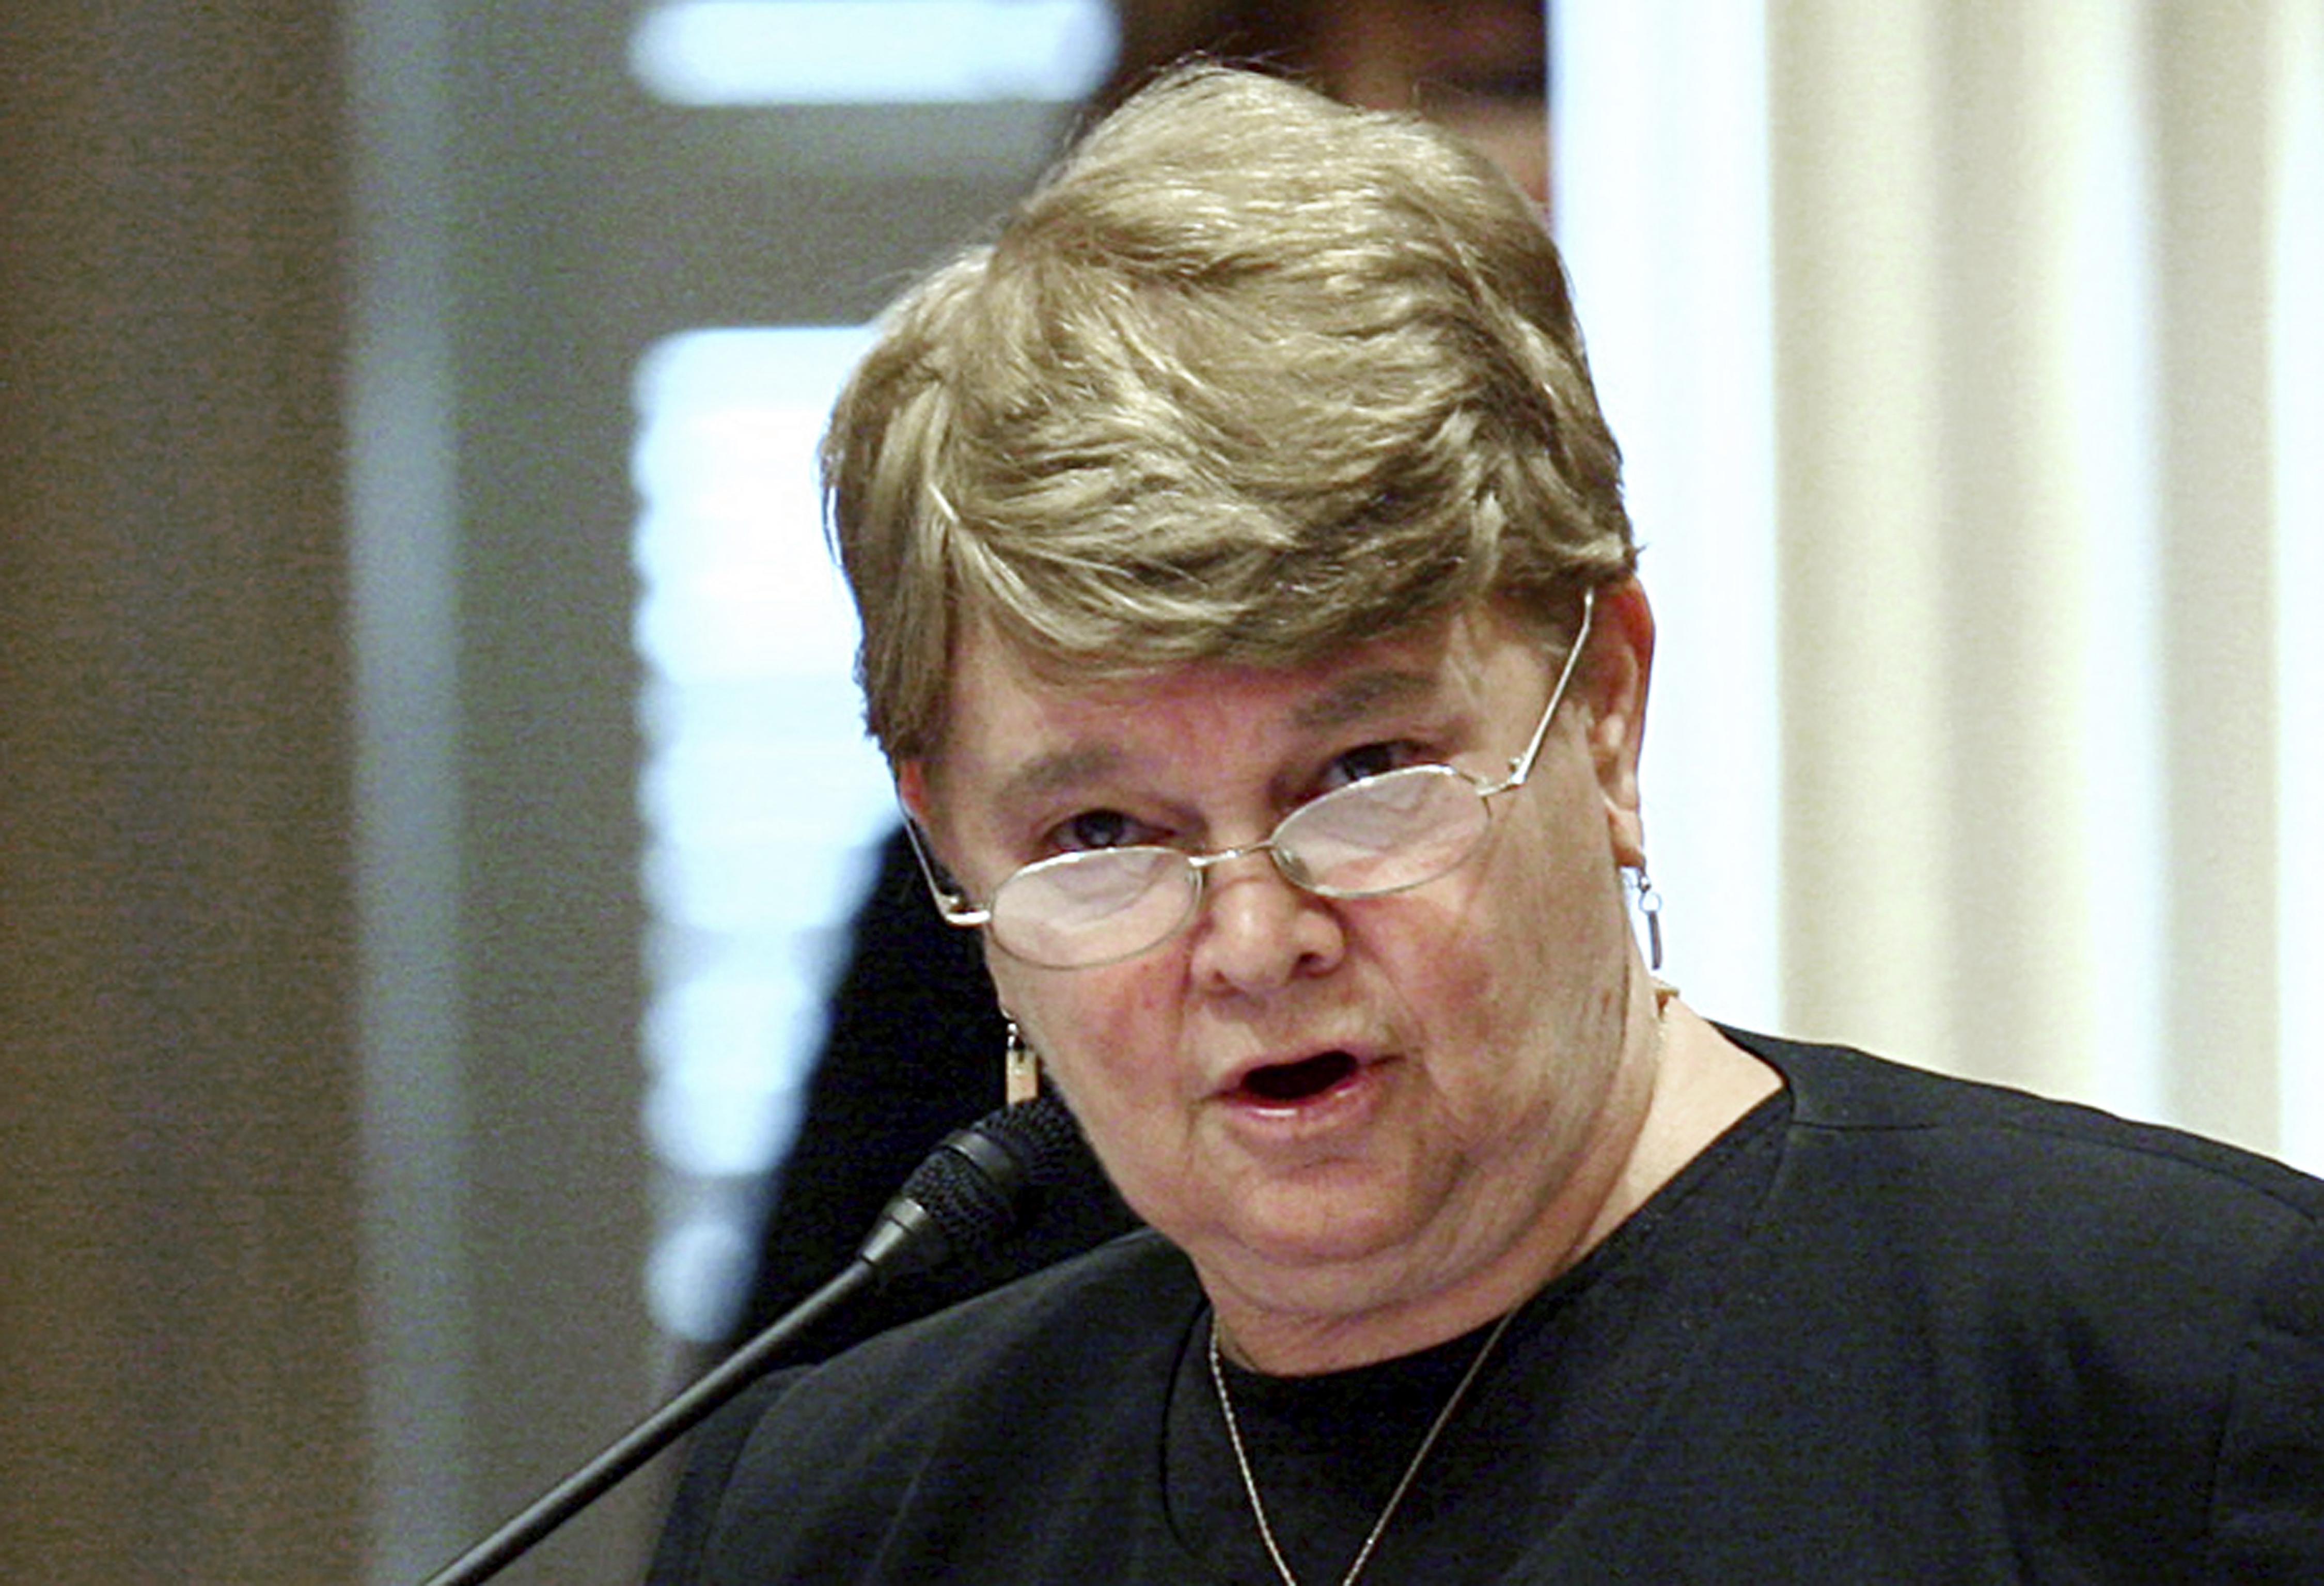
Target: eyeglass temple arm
951 902
1522 766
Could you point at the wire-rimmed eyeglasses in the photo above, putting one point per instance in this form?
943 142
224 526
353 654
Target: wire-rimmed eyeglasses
1385 834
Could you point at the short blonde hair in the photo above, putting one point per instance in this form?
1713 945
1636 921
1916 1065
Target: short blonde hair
1250 375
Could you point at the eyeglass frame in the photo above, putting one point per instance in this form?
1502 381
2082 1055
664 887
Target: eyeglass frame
953 905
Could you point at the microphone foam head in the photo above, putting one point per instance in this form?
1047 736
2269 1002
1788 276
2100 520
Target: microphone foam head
974 1188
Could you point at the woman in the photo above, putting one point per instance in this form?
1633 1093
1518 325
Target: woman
1250 616
1478 67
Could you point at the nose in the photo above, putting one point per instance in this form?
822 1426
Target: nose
1257 932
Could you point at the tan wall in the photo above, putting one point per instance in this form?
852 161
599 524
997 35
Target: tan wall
178 1144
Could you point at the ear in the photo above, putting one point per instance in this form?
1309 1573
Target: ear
912 789
1614 677
913 792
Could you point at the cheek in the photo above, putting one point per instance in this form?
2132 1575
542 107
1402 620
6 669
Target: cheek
1108 1047
1095 1029
1444 959
1537 934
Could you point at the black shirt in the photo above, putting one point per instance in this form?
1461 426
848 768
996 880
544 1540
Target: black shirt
1893 1327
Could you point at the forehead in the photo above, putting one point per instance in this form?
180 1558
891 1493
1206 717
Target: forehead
1015 728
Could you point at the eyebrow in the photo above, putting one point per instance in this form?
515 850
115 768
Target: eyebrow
1354 698
1348 700
1059 769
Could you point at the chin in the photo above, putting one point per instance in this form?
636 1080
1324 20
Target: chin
1312 1230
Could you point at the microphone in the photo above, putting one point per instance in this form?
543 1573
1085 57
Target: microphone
972 1190
966 1196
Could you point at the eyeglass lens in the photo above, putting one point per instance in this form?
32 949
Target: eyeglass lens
1382 835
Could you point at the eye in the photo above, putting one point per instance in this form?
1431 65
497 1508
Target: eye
1369 760
1098 828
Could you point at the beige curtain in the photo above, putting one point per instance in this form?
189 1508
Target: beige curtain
2041 384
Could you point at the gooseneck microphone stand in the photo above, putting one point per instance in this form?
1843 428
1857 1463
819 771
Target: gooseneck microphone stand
968 1195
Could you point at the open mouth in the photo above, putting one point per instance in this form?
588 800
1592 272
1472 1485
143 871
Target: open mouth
1282 1082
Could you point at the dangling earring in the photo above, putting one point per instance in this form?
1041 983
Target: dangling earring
1650 907
1021 1069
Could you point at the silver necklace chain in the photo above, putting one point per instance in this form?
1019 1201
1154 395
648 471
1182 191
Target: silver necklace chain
1404 1484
